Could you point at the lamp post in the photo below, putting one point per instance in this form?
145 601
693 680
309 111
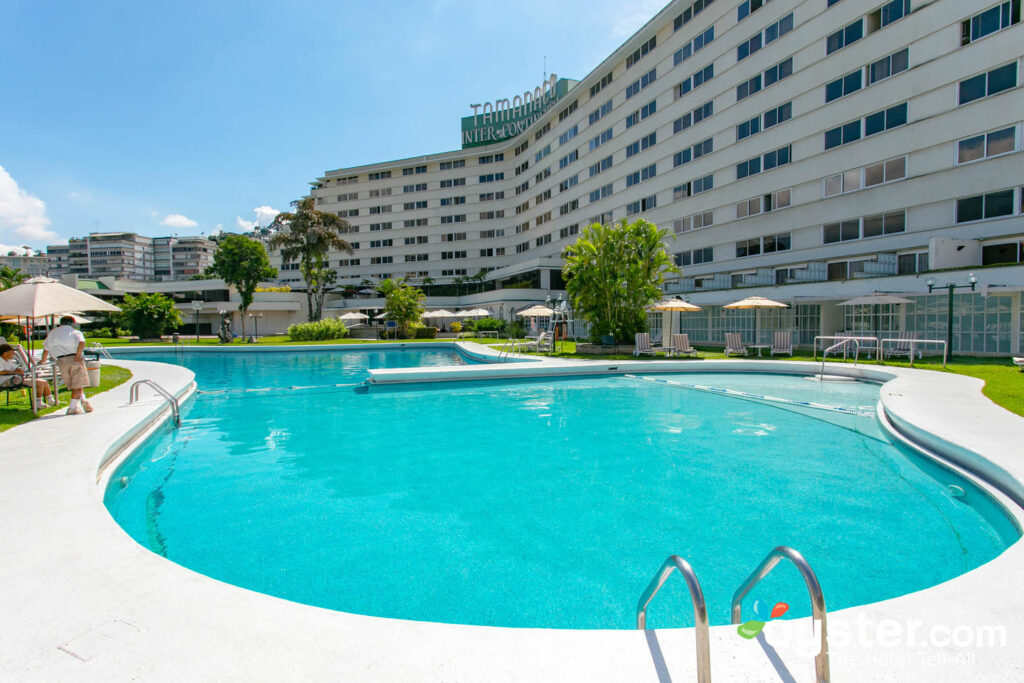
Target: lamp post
951 286
256 324
197 306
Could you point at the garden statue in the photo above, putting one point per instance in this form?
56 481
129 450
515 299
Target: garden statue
224 334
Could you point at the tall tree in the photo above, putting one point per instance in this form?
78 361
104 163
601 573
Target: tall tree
242 263
614 272
305 237
402 303
479 278
9 277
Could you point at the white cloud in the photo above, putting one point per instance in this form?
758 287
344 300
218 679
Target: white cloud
5 249
21 213
176 220
264 214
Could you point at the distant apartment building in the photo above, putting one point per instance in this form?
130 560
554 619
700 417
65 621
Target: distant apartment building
33 266
130 256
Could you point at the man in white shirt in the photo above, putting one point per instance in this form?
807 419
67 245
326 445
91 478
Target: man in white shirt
67 346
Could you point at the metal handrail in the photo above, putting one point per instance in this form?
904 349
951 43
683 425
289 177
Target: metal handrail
824 355
133 396
700 610
96 346
821 668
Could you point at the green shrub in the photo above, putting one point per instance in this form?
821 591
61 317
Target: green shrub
516 329
105 333
489 325
150 315
456 327
328 328
425 333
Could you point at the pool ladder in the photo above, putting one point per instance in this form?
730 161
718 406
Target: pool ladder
510 346
700 612
133 396
837 346
101 350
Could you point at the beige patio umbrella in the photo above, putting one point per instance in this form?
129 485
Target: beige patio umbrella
756 303
441 313
352 315
537 311
875 299
674 305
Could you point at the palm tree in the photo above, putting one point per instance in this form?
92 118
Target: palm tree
457 281
427 281
479 278
10 277
306 236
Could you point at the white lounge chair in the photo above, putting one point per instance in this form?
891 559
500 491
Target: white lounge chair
541 343
734 345
904 346
681 345
782 343
643 344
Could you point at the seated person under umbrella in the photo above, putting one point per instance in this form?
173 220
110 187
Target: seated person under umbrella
13 375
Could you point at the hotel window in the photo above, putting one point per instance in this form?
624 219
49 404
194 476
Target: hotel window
993 19
453 237
346 262
694 187
640 176
695 222
604 82
543 174
489 159
641 51
420 239
377 244
449 255
885 120
542 197
452 201
764 203
491 196
414 223
568 158
348 197
988 145
697 79
524 246
420 187
601 193
543 239
569 231
695 256
641 83
884 224
453 182
569 134
889 66
641 113
491 215
489 234
695 152
748 7
841 87
772 117
349 180
986 84
992 205
413 258
888 13
541 153
384 192
844 36
772 75
770 160
564 114
568 182
379 175
377 227
450 272
600 166
416 169
694 46
448 165
770 34
689 13
410 206
377 260
491 177
645 204
570 206
600 112
458 218
380 209
521 148
641 144
694 117
841 232
522 167
599 140
542 131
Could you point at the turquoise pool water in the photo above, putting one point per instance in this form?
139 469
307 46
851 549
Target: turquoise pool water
537 503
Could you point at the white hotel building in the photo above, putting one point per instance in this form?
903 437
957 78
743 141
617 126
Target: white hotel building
805 150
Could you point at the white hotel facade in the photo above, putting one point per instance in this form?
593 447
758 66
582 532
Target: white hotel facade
805 150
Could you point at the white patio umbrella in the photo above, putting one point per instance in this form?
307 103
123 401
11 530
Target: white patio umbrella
442 313
537 311
875 299
480 312
756 303
465 313
353 316
674 305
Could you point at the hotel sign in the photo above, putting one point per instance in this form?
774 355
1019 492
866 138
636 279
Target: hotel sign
503 119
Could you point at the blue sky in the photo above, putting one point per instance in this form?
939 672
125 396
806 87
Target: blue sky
177 117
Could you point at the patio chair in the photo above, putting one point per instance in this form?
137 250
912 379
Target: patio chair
642 344
734 345
541 343
904 346
607 342
782 343
681 345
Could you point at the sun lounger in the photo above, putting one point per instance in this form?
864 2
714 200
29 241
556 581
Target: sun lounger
643 344
782 343
681 345
904 347
734 345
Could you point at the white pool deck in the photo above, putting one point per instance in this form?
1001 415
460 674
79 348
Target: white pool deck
81 601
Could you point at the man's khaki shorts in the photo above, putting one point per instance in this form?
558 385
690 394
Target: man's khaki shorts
74 374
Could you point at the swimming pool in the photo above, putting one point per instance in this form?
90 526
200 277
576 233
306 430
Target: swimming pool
538 503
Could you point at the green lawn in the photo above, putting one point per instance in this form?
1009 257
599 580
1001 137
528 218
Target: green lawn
20 410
